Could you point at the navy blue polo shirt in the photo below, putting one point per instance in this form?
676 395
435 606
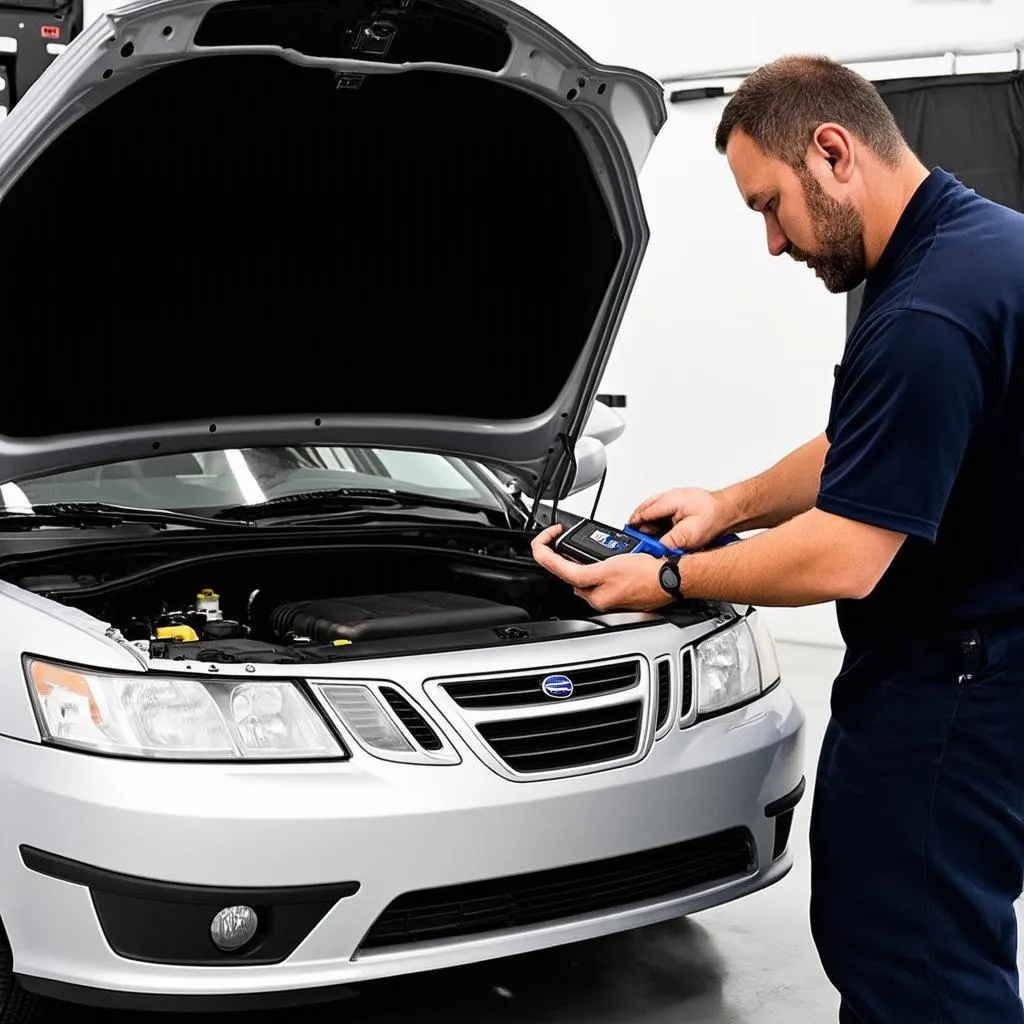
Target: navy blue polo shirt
926 426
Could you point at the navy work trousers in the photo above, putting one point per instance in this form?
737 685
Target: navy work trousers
917 833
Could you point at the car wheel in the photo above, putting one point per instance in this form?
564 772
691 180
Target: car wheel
16 1005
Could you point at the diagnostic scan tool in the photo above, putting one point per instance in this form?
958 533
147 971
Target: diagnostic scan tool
587 541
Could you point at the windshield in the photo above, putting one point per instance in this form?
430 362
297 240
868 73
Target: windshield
210 481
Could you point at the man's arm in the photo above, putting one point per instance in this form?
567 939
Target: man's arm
813 558
775 496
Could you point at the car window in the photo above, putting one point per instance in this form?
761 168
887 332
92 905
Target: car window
418 471
218 479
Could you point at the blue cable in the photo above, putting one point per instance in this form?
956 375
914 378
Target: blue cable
651 546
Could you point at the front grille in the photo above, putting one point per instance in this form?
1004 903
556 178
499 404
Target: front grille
664 690
518 901
417 725
525 689
687 701
567 740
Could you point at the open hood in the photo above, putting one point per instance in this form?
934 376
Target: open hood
404 223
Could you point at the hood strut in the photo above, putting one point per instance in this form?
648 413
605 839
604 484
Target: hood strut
569 450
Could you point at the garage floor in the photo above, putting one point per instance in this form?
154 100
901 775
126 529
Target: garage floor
745 963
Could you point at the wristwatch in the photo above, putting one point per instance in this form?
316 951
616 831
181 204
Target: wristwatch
669 578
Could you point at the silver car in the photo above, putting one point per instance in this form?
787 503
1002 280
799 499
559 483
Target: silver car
305 309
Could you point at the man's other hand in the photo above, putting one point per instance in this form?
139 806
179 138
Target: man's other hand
689 517
620 583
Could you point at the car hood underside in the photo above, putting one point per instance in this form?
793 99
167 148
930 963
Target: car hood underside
246 220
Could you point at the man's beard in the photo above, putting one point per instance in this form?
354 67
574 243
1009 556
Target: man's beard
840 261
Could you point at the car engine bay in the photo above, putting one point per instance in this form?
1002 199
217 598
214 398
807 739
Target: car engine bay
324 602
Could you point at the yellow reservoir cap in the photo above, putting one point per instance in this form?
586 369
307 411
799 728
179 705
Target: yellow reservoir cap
340 643
176 633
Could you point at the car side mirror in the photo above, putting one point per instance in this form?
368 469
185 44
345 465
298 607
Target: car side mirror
604 426
604 423
591 462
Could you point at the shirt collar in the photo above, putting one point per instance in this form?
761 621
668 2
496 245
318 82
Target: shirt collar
918 217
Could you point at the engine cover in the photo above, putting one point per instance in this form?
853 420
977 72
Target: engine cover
386 616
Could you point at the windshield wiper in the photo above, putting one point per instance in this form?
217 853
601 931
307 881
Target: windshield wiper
317 504
99 513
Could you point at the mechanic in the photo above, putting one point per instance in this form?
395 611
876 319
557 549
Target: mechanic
903 512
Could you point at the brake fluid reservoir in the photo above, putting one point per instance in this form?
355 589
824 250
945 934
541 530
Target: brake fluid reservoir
208 604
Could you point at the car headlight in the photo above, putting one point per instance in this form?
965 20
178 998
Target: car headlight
728 670
767 655
175 717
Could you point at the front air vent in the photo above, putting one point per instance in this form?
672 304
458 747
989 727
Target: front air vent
417 725
686 705
566 740
664 690
499 905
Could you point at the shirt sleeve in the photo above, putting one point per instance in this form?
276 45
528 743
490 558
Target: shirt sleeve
906 404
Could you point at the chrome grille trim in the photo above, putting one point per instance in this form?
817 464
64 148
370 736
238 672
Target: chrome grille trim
687 684
522 689
664 692
471 723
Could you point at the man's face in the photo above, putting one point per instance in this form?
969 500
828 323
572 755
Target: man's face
802 218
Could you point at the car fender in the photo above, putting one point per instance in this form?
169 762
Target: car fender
33 624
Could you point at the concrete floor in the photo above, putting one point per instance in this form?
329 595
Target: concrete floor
749 962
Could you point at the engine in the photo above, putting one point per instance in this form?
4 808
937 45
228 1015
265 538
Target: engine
313 603
296 631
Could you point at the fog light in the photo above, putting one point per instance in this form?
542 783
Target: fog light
233 927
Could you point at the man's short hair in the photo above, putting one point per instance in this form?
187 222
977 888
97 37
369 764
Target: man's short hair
782 104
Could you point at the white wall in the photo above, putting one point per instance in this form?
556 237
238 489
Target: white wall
667 38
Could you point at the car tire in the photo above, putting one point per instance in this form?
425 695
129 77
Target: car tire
16 1005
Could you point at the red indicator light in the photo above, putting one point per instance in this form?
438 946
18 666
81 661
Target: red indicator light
50 31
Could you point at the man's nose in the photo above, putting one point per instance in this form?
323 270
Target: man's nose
778 243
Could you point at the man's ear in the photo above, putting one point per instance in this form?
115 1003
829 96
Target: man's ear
833 146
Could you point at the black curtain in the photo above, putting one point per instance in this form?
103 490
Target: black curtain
969 125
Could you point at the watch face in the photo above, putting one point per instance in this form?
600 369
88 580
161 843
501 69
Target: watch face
669 578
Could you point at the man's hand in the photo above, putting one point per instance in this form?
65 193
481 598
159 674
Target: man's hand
697 517
620 583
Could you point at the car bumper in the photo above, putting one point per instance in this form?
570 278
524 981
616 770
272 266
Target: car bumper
356 836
